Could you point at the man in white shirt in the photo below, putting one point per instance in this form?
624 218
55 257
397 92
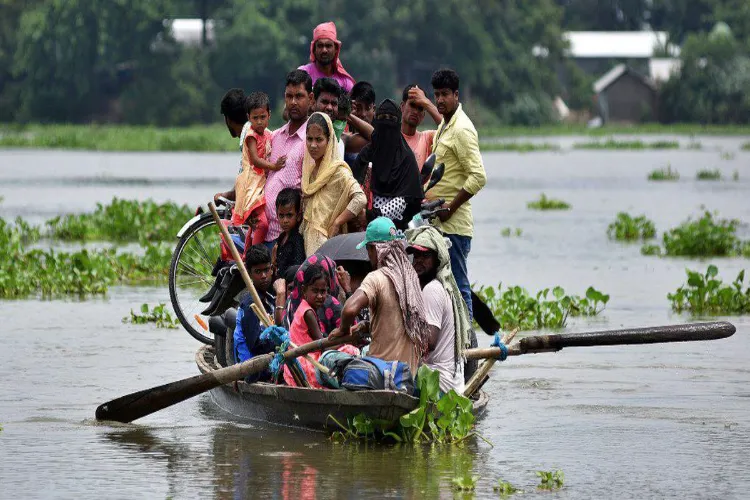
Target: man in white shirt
445 309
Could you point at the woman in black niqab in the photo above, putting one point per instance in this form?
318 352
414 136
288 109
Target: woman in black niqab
395 182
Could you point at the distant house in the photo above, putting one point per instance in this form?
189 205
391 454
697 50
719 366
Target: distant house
191 31
596 51
624 95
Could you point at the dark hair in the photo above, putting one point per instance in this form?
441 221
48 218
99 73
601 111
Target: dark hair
363 92
258 100
318 119
328 85
405 94
345 104
313 273
256 255
445 79
233 105
289 196
299 77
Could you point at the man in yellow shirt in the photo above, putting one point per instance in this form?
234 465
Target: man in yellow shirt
457 146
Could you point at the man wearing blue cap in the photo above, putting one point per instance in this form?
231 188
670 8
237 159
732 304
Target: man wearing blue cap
398 326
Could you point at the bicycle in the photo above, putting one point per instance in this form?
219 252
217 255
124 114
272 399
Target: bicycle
192 269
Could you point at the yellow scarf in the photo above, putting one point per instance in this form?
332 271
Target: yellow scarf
326 194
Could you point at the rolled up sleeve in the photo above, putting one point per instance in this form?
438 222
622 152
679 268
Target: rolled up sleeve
357 199
467 149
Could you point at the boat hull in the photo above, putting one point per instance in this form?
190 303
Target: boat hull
308 408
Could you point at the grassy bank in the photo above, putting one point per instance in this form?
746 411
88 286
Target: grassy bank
118 138
214 138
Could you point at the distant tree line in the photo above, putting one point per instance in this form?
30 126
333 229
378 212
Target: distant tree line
116 60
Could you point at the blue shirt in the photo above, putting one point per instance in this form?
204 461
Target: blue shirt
248 328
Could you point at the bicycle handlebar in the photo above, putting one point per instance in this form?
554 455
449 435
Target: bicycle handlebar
431 205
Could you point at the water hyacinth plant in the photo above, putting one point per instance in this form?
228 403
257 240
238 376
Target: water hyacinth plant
504 488
707 294
544 203
159 315
664 174
708 236
446 418
550 480
629 228
26 272
708 175
516 308
507 232
464 483
121 221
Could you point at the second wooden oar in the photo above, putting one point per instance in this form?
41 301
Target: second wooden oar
651 335
142 403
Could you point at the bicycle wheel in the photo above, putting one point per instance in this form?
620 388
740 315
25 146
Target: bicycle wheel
190 275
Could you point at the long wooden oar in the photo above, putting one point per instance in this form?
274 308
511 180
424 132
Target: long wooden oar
687 332
142 403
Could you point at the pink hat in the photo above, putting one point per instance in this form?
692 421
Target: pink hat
328 30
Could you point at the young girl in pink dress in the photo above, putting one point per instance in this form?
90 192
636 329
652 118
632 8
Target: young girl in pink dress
306 326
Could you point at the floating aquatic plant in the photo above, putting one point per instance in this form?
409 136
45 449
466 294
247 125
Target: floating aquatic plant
708 175
707 294
446 418
507 232
708 236
464 483
26 272
550 480
504 488
544 203
664 174
121 221
159 315
629 228
515 307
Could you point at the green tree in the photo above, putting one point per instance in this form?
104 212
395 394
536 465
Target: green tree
73 55
714 82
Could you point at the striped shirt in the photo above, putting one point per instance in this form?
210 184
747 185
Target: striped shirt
290 176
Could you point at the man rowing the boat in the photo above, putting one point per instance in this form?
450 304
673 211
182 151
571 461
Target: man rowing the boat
445 310
398 326
325 50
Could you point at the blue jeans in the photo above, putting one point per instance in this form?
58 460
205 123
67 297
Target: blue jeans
459 253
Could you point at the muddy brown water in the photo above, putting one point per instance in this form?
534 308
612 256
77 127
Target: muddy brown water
660 421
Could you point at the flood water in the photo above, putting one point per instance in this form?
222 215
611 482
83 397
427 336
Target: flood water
659 421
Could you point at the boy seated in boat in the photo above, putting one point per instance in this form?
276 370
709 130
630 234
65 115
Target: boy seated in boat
445 309
247 342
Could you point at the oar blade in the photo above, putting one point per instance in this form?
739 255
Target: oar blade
139 404
688 332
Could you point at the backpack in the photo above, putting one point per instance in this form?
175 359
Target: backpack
370 373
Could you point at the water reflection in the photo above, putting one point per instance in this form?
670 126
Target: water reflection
268 464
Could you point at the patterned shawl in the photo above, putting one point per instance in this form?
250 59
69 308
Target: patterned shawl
329 315
394 263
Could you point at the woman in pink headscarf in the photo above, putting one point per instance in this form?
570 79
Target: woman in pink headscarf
324 57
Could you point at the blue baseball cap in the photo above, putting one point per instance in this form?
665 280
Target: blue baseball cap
379 230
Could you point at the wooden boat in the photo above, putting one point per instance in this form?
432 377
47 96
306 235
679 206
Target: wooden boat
308 408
